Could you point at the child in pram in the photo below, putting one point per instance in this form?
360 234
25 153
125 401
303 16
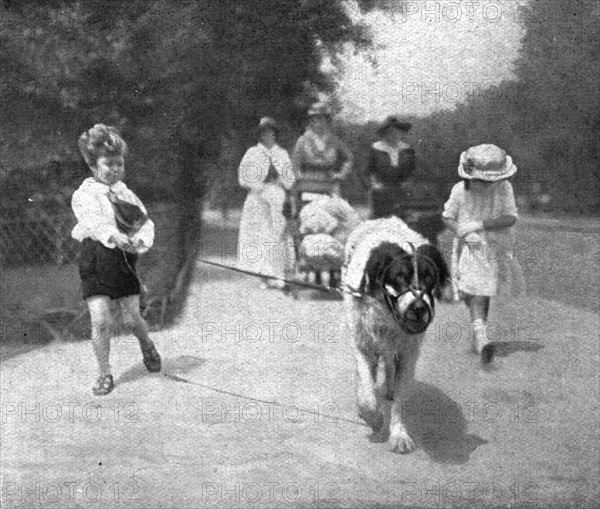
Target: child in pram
321 162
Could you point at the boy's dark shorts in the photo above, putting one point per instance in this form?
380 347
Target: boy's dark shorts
104 271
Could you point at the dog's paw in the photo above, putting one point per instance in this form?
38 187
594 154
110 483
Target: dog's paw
374 418
401 443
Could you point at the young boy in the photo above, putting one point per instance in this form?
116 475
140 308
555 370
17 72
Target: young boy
108 255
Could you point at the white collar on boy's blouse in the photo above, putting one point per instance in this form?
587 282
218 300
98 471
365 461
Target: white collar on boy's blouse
91 182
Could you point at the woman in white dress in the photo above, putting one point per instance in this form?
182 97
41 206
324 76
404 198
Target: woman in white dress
263 244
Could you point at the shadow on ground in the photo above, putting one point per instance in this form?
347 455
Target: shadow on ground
504 349
181 365
436 424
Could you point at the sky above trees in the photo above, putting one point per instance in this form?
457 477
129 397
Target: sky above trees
429 57
175 76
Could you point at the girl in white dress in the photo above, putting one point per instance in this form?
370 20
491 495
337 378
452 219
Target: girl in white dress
266 171
481 211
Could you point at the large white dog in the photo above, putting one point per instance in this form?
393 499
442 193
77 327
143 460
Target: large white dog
394 273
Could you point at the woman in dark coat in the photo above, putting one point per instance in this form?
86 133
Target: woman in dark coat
391 162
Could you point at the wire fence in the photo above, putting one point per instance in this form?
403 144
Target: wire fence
40 286
42 233
47 239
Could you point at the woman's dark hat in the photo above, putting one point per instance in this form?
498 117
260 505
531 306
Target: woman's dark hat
267 123
393 122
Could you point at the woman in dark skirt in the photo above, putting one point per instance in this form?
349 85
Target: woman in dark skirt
391 162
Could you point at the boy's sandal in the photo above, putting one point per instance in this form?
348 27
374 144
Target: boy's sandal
151 359
104 385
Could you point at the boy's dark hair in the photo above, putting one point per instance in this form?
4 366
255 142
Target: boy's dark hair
101 141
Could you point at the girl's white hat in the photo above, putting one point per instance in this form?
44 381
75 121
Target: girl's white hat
486 162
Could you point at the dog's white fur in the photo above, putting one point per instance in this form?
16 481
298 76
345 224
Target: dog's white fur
375 333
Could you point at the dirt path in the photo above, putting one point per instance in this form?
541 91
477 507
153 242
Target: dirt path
258 411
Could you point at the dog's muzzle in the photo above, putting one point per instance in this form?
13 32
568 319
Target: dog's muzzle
413 310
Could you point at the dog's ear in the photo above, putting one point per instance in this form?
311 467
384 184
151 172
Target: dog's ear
382 257
428 253
372 279
379 260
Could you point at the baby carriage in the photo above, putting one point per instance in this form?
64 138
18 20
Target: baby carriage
322 222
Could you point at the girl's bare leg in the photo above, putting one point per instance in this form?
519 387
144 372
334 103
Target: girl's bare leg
479 307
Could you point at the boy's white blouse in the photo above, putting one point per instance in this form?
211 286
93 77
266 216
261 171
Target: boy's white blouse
96 218
254 167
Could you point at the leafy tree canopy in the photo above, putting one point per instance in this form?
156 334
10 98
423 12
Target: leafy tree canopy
170 73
